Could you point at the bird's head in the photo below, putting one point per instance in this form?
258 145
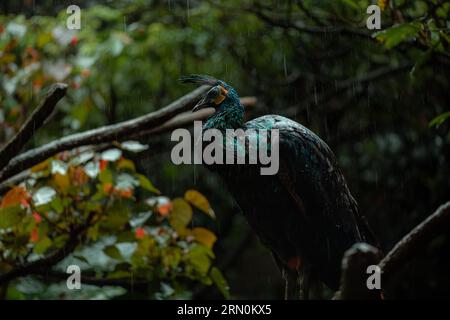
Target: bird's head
220 96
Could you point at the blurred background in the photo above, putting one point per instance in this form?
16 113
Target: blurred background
380 100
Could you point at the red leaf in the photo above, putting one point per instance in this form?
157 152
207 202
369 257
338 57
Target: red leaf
103 164
107 187
74 41
140 233
126 193
37 217
34 235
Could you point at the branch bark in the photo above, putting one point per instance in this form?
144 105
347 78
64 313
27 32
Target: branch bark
100 135
354 273
361 255
34 122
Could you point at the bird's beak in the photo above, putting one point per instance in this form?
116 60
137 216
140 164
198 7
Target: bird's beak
202 104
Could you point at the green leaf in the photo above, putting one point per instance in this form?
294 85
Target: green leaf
42 245
395 35
133 146
120 274
220 282
92 169
113 252
43 196
106 176
111 154
57 205
436 122
125 164
10 216
200 202
204 236
181 214
145 183
81 258
118 216
199 257
58 166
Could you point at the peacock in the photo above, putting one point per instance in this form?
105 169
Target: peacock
305 213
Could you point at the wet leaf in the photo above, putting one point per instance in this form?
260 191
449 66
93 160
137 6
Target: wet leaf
111 155
42 245
81 258
145 183
106 176
59 166
181 214
200 258
113 252
220 282
92 169
43 196
126 181
395 35
10 216
204 236
62 181
436 122
134 146
41 166
126 164
14 197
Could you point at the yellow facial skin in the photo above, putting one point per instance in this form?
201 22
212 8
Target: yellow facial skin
222 96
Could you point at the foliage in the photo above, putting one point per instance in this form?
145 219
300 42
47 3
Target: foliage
141 234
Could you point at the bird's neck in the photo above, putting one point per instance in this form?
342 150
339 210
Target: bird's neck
229 116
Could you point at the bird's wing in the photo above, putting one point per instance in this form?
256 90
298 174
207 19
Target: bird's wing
309 172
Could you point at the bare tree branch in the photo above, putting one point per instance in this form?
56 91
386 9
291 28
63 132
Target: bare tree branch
354 275
34 122
361 255
286 24
108 133
182 120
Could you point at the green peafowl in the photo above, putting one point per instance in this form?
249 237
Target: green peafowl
305 213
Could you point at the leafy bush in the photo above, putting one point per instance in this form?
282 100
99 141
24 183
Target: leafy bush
126 229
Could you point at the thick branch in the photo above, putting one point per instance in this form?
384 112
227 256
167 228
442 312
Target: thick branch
182 120
34 122
414 241
125 283
103 134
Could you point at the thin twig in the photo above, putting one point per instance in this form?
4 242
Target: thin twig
33 123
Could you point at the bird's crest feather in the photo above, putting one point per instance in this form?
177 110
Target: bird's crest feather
199 79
